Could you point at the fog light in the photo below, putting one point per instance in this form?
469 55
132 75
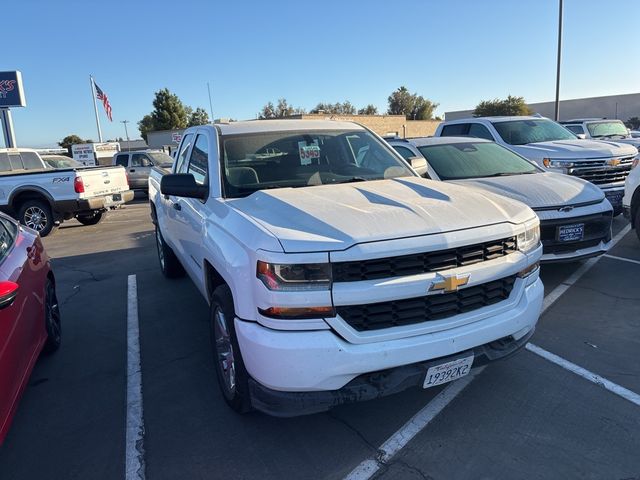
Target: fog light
529 270
292 313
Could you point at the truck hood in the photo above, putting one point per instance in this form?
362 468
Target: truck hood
574 149
539 190
336 217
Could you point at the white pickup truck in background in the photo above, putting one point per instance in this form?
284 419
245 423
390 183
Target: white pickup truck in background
554 148
333 272
42 198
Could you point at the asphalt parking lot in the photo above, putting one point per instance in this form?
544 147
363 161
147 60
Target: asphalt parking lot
523 418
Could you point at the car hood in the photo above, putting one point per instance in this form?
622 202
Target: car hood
336 217
540 190
574 149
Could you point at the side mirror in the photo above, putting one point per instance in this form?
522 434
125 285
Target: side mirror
419 164
182 185
8 293
581 136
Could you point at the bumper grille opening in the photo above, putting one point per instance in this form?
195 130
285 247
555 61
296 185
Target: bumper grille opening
425 262
375 316
596 229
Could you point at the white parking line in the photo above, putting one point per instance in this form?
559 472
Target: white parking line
592 377
637 262
410 429
420 420
134 433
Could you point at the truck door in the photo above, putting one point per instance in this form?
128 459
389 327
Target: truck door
139 170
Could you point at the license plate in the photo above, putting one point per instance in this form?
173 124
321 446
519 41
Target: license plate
571 233
447 372
615 197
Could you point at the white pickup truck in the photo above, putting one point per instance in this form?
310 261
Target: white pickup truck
554 148
631 200
42 198
334 273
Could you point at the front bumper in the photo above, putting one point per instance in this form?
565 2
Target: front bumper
578 254
287 366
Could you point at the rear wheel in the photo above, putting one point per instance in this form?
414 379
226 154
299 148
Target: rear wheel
37 215
92 218
233 378
52 323
169 263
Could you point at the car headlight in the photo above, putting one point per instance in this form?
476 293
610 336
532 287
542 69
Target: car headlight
551 163
635 162
530 238
294 277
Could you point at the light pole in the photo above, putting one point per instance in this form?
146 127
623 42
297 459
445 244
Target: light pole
126 132
557 109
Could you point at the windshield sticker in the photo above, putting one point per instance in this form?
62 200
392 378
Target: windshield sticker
309 153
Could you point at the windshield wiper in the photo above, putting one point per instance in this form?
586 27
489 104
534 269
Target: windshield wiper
506 174
353 180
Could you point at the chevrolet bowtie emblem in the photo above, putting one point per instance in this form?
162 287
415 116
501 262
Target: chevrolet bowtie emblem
614 162
449 283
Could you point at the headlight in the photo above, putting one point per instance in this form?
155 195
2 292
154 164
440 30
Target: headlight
294 277
551 163
635 162
530 238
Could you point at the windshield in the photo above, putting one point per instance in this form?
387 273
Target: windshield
260 161
607 129
521 132
161 159
474 160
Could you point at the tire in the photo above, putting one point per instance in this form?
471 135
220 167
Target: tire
52 322
233 378
636 222
169 263
37 215
92 219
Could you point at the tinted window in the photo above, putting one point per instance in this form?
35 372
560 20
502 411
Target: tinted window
480 131
16 161
575 128
5 165
522 132
198 162
404 151
455 130
139 160
474 160
8 233
31 160
184 151
123 160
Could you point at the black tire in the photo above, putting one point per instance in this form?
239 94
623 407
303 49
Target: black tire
92 219
636 222
169 263
37 215
52 322
233 378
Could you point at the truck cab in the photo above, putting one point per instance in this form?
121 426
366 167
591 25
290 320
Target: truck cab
138 165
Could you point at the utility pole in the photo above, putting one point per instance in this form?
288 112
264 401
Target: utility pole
126 132
210 104
557 110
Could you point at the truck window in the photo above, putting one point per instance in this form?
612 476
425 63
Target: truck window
199 160
577 129
479 131
16 161
8 233
5 164
123 160
404 151
455 130
140 160
30 160
184 151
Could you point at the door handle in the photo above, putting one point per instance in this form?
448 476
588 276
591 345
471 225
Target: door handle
132 170
177 206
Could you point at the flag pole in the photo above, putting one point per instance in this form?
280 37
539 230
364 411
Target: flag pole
95 109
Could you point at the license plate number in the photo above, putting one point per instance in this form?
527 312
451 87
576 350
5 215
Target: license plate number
615 197
571 233
447 372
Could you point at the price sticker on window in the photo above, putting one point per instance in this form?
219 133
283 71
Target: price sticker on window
308 153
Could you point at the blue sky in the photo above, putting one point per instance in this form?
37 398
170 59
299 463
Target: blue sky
455 52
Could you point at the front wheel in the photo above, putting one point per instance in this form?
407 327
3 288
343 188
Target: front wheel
92 218
52 322
233 378
37 215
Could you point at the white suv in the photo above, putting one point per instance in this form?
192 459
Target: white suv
631 200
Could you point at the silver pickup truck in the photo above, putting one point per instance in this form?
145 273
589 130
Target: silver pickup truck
42 198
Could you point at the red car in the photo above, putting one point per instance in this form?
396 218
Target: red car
29 314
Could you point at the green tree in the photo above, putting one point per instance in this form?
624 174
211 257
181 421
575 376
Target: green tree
198 117
344 108
168 113
146 125
633 123
510 106
69 140
282 109
411 105
368 110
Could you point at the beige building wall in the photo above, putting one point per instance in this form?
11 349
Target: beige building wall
382 124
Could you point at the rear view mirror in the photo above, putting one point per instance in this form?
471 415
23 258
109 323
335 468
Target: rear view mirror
581 136
182 185
419 164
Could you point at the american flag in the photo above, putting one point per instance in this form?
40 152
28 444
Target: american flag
100 95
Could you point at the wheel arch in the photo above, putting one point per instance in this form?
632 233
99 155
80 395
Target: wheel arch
27 192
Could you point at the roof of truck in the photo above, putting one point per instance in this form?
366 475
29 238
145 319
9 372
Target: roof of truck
262 126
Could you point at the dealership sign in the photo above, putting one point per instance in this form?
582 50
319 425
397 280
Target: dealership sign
11 91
